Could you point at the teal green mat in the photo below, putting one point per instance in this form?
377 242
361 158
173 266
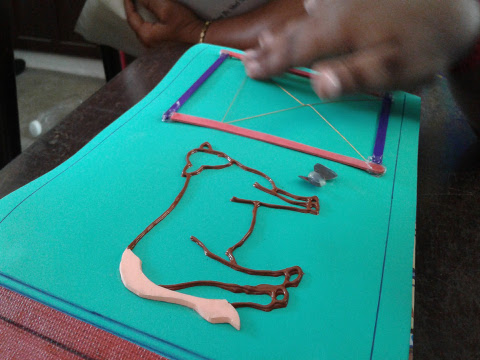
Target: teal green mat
62 235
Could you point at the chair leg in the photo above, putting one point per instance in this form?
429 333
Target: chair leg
20 66
111 62
9 122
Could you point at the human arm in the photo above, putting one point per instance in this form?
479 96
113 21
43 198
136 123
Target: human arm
178 23
367 45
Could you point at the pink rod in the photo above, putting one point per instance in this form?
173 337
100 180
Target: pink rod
369 167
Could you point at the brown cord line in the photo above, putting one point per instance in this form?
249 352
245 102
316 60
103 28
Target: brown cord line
308 205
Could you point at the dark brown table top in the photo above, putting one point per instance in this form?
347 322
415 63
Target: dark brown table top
447 299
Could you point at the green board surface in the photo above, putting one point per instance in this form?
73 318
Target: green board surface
62 235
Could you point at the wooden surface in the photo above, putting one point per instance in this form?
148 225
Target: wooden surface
447 309
447 305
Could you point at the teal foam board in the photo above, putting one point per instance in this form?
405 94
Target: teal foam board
62 235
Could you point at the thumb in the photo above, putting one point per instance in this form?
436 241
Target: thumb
299 43
373 69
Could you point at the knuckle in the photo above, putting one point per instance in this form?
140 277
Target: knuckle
166 12
145 38
391 68
352 76
392 64
148 43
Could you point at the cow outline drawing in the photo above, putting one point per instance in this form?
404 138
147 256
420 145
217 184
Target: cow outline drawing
215 310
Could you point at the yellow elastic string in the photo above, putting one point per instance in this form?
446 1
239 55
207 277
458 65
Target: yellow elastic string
321 116
235 97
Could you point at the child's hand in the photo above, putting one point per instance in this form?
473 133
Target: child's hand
370 45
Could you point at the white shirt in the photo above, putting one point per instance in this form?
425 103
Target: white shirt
217 9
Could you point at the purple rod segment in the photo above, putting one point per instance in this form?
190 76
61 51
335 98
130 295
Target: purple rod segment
377 156
174 108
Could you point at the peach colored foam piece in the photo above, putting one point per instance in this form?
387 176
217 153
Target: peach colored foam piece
212 310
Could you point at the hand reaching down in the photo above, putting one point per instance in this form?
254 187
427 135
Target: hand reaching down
370 45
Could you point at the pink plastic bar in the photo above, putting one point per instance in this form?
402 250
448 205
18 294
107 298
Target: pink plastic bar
369 167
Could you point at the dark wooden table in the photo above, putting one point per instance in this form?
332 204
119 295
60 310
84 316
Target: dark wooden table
447 305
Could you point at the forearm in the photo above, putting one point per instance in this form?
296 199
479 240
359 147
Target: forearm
242 31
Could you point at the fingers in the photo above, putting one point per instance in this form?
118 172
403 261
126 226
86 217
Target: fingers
133 18
299 44
377 66
327 84
310 7
277 52
157 7
271 58
145 31
316 8
374 69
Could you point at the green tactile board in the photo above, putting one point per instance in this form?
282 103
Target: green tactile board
62 235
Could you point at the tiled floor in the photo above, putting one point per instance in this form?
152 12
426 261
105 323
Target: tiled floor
48 96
